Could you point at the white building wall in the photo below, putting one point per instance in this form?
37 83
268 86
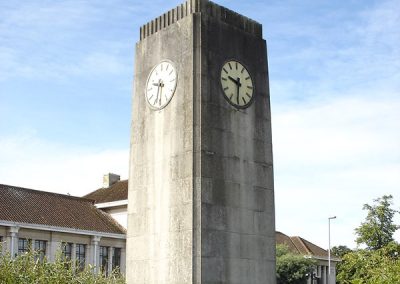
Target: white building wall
121 218
119 212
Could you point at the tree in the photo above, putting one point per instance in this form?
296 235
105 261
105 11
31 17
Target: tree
378 229
340 251
379 263
381 266
291 268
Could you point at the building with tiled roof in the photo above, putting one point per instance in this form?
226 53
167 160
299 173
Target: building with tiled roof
298 245
103 213
43 221
112 198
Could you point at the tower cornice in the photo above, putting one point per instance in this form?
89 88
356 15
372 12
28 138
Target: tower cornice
205 7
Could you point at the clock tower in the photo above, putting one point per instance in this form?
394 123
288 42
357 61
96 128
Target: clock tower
201 192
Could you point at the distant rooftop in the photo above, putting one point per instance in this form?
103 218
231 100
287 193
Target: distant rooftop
301 246
116 192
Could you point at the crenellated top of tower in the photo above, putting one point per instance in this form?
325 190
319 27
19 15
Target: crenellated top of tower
201 6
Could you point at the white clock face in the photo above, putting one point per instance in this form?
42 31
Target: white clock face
237 84
161 84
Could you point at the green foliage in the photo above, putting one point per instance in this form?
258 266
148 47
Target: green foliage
28 269
378 229
371 266
379 263
340 251
291 268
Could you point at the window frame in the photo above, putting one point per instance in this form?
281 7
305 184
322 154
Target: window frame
116 265
80 256
66 255
1 245
40 247
104 259
25 247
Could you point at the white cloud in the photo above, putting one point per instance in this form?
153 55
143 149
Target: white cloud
336 130
331 157
352 49
333 130
31 162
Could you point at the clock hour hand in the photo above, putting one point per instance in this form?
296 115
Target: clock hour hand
159 101
233 80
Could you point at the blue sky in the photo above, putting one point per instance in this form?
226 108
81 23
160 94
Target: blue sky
66 70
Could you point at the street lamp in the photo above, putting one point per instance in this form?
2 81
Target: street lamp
329 250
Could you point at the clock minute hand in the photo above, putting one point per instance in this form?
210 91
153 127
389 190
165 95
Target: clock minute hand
161 86
238 82
158 90
238 89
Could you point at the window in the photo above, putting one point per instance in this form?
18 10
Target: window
40 248
116 260
104 259
66 249
80 256
24 245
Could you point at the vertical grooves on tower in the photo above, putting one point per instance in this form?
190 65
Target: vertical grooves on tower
196 140
197 6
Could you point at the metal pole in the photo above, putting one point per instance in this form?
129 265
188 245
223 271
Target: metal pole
329 249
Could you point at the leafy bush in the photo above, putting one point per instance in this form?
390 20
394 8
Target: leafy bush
28 269
379 262
371 266
291 268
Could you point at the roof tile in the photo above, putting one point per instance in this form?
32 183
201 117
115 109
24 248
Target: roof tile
118 191
301 246
30 206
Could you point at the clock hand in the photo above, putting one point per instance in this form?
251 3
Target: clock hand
159 101
237 97
158 90
233 80
238 89
161 84
238 82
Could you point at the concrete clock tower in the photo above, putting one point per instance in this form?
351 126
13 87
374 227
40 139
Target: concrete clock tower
201 192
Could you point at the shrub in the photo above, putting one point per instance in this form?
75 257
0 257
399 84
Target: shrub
27 268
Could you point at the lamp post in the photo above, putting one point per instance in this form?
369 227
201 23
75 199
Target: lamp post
329 250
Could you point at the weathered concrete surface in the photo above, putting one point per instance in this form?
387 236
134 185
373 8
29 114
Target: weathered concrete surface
201 195
160 226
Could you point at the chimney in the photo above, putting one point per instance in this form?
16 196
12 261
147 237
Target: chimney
109 179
